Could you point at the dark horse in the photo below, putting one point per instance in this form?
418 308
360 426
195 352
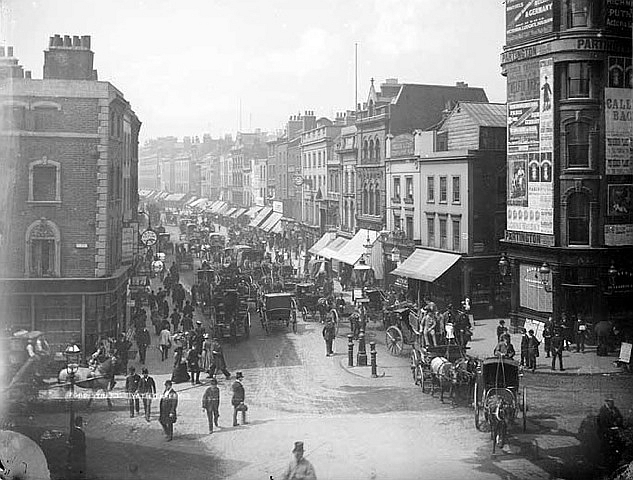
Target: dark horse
501 412
465 376
102 378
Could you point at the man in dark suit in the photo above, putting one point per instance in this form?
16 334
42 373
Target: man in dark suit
146 390
211 404
238 398
168 406
143 340
557 349
131 387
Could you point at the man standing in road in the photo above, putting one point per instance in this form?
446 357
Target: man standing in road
218 360
238 398
558 346
329 333
164 343
211 404
581 333
299 468
143 340
131 387
533 344
168 406
146 390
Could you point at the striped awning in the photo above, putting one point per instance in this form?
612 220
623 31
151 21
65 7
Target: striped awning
271 221
426 265
261 216
332 248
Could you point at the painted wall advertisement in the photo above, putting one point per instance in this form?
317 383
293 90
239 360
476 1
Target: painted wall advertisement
532 292
530 159
618 131
615 235
528 18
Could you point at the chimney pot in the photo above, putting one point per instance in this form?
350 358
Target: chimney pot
68 41
27 74
9 51
76 41
51 42
85 42
59 41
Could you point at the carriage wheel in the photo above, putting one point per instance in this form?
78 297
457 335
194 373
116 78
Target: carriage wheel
394 340
304 313
294 321
419 372
477 406
265 325
414 365
524 408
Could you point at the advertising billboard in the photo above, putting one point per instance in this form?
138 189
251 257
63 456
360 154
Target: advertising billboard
531 158
526 19
618 125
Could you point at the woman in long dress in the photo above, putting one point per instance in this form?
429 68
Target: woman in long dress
207 354
179 373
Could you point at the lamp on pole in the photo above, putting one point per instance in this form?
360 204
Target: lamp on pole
73 356
545 272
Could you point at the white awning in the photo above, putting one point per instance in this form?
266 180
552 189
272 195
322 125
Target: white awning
261 216
426 265
219 207
238 213
271 221
253 211
229 212
277 228
320 243
333 248
355 248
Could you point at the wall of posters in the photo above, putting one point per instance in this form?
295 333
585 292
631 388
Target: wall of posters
531 156
526 19
620 200
618 131
532 293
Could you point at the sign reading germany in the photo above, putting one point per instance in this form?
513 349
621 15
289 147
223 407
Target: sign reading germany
526 19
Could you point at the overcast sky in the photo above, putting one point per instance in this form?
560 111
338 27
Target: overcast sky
186 65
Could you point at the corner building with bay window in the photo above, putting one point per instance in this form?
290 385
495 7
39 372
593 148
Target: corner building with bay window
69 146
569 238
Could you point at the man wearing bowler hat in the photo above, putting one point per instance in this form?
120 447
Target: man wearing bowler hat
238 398
299 468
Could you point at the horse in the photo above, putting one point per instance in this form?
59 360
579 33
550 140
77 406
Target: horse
465 375
501 412
442 374
102 378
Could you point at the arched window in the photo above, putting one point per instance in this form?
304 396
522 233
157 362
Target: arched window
346 186
365 146
578 219
42 249
377 200
372 198
319 162
377 147
577 140
371 149
577 13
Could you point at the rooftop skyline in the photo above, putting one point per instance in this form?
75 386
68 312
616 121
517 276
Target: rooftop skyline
188 69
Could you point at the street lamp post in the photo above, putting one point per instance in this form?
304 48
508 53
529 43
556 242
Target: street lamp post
73 355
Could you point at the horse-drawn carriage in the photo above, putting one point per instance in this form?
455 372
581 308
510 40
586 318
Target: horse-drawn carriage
184 254
498 398
307 296
372 305
278 309
139 291
401 328
230 315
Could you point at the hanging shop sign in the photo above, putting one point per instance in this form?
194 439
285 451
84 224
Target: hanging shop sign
149 238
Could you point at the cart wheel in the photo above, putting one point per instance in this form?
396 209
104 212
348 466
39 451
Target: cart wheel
425 378
524 408
414 366
477 408
294 321
394 340
304 313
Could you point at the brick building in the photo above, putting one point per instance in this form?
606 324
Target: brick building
71 147
569 236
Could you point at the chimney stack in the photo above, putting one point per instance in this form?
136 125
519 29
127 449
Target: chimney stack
69 58
10 52
1 51
27 74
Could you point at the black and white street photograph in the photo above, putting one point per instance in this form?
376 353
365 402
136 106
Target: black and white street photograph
335 240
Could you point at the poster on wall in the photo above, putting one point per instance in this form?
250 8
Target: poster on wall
620 200
526 19
615 235
532 292
531 157
618 131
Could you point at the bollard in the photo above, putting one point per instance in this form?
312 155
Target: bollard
372 351
350 350
361 358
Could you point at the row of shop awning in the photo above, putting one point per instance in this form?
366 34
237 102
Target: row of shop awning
422 264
